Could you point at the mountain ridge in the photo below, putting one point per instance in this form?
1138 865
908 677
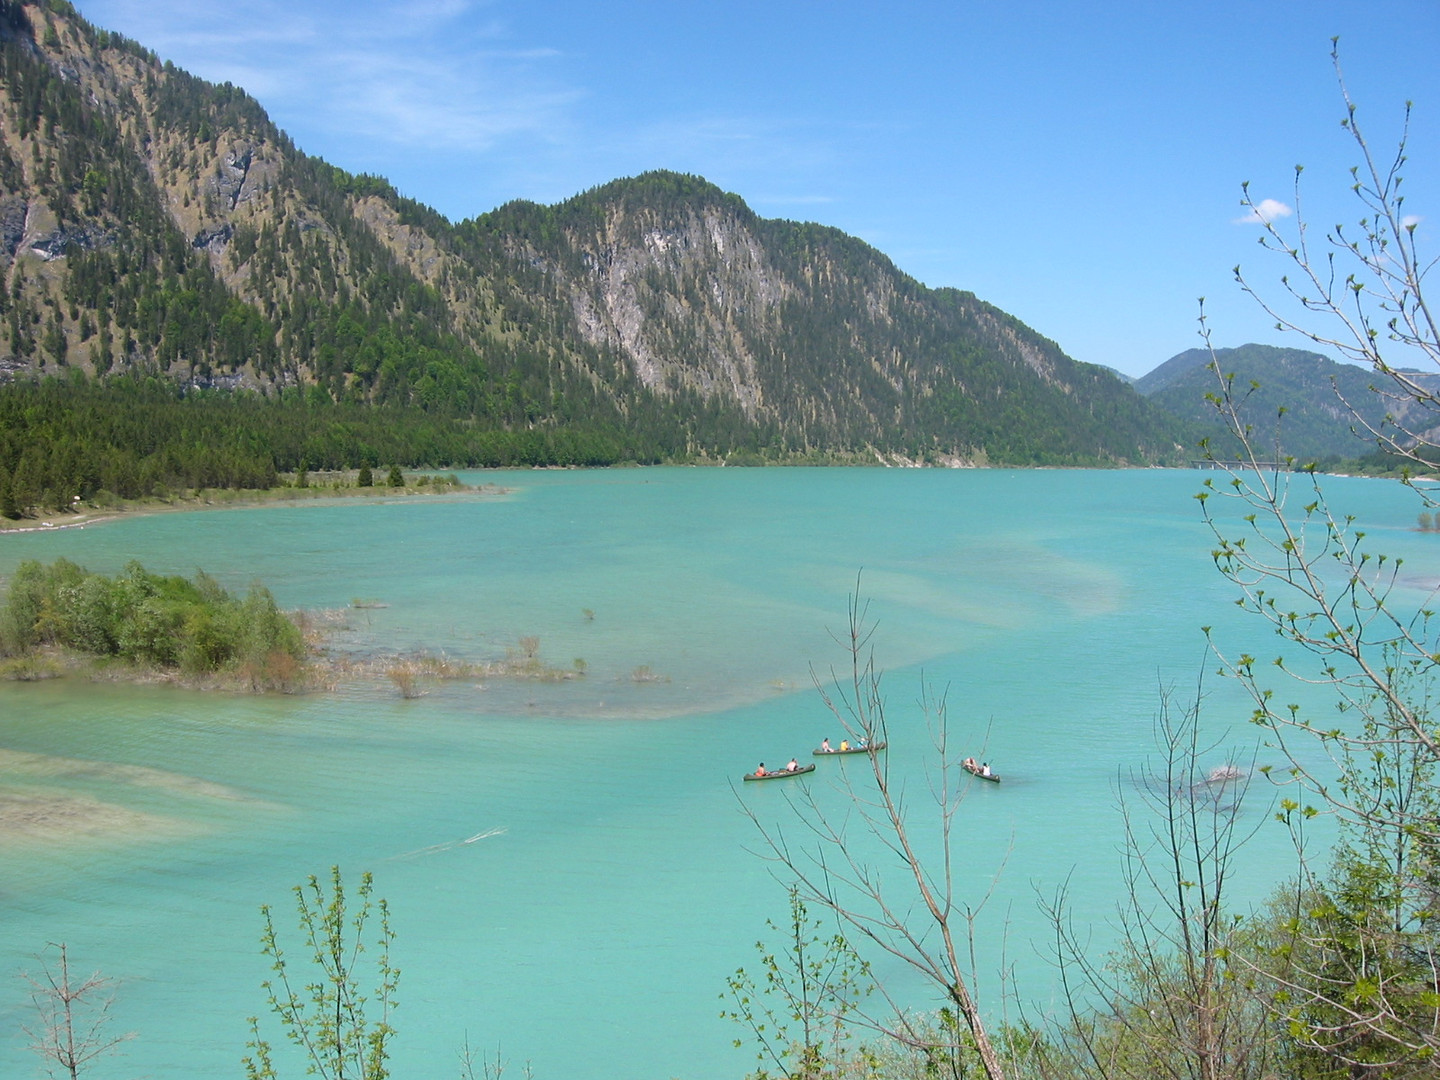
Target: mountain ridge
154 225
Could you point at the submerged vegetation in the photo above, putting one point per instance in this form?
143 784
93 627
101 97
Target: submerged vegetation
522 662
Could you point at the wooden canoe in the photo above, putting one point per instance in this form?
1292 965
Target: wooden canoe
819 752
780 774
974 770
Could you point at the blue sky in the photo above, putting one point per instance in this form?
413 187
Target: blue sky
1077 164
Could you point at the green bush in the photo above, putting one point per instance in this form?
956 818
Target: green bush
145 618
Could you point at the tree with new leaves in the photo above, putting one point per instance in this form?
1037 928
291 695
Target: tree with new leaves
343 1030
1362 986
801 1011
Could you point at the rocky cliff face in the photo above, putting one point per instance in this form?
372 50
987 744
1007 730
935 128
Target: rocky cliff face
677 298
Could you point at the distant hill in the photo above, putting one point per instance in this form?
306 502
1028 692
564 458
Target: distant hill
1319 397
157 227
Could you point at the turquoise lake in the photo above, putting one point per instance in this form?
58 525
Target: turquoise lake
612 882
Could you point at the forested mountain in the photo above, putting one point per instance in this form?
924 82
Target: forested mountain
157 227
802 331
1298 403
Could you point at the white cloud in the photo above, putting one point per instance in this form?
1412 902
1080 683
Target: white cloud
459 102
1264 212
407 74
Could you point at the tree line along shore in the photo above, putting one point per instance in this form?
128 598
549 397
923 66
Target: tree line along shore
64 440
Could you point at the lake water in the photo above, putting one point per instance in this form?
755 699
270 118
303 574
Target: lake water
614 884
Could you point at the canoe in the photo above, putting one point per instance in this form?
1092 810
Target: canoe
780 774
818 752
974 770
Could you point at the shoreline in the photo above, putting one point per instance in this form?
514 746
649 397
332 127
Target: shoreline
226 499
322 491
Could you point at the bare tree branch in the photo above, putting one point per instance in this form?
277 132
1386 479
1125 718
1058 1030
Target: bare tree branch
917 918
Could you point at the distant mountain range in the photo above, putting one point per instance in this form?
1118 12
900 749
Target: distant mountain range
1298 403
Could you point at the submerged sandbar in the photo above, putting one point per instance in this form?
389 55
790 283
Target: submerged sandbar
64 817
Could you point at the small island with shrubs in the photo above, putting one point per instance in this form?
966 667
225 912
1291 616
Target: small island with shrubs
62 617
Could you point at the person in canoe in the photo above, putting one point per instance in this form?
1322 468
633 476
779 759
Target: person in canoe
792 766
825 747
969 763
761 770
984 769
844 744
